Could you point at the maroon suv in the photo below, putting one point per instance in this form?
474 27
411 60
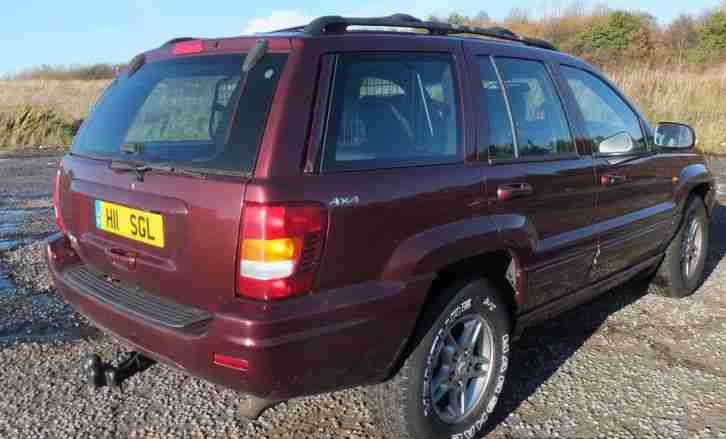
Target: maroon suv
323 207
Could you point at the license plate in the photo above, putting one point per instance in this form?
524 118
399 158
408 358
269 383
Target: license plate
130 223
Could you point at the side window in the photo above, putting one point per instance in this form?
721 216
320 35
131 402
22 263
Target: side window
501 136
539 117
392 110
605 113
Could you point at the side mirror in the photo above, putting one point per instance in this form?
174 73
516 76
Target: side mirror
674 135
620 143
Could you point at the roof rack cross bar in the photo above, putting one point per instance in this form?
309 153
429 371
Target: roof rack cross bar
334 24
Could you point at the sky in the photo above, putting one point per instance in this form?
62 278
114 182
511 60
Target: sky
78 32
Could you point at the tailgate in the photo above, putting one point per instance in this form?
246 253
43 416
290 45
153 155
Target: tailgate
196 265
123 196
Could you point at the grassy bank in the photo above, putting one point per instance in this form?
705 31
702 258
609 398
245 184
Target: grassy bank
71 99
32 127
44 112
681 96
663 94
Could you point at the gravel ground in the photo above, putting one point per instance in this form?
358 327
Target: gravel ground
628 365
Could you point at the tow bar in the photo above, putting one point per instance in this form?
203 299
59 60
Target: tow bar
96 373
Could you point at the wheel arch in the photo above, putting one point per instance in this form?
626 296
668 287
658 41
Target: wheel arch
696 180
705 192
499 267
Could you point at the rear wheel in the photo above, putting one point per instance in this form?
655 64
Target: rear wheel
451 381
682 270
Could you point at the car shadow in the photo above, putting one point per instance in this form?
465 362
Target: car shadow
544 348
717 239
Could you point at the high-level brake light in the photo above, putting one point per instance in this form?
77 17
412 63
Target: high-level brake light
189 47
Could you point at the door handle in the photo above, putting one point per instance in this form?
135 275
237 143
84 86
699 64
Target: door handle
510 191
612 179
121 258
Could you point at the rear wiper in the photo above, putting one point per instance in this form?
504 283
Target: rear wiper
141 169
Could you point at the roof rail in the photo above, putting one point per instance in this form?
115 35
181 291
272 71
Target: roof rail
334 24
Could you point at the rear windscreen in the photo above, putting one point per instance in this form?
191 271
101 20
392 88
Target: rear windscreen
195 112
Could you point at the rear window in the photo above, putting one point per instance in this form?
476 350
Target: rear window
191 111
392 110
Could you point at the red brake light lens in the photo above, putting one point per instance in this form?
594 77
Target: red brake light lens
189 47
280 247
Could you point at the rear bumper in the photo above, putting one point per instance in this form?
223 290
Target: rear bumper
328 341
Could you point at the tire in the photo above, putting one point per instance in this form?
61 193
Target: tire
673 278
404 407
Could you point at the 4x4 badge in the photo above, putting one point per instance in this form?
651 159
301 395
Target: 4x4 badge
344 201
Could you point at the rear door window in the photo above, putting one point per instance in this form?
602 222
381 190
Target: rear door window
539 117
193 111
392 110
501 135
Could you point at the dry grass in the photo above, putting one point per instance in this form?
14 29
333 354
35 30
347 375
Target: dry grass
663 95
679 95
71 99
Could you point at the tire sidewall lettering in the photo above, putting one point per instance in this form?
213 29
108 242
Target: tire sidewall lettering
486 307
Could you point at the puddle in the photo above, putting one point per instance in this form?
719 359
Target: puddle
41 300
11 218
47 323
9 222
8 229
37 317
7 286
7 245
59 327
66 335
29 196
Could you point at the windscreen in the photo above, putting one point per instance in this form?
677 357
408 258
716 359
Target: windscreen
198 112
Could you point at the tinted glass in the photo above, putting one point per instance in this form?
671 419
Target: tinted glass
501 136
392 110
605 113
542 128
179 111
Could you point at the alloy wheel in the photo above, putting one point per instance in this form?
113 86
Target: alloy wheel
462 368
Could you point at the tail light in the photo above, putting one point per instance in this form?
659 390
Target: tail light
57 199
280 249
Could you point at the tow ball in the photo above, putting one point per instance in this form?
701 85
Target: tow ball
96 373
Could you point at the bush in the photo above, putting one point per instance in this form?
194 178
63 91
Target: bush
623 35
30 127
711 45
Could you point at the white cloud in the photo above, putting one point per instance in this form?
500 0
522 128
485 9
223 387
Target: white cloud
277 20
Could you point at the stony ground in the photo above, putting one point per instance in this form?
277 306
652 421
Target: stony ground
628 365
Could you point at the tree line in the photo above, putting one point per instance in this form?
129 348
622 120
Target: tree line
609 37
64 73
604 36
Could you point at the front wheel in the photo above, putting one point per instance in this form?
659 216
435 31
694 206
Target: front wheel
451 381
682 270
